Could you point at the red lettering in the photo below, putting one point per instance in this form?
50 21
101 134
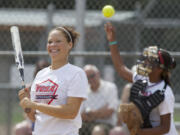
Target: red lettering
40 88
37 87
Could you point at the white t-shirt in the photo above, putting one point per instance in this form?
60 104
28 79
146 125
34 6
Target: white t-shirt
165 107
54 87
105 95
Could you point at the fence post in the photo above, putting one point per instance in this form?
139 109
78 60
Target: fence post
80 26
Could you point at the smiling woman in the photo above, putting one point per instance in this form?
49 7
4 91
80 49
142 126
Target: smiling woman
56 95
60 42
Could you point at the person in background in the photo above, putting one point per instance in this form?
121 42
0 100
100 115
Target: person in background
24 127
117 130
102 102
58 91
100 130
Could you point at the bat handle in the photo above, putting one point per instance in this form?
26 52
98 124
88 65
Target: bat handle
27 110
23 86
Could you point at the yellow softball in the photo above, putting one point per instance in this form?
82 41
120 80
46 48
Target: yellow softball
108 11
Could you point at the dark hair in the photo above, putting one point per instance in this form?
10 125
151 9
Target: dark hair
168 63
40 65
74 35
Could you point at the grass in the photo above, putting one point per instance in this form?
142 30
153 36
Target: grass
17 115
177 115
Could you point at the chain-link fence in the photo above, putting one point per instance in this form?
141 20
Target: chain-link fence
138 23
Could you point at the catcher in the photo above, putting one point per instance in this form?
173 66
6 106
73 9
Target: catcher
150 111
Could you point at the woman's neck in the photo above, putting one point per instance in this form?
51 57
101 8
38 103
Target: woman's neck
58 64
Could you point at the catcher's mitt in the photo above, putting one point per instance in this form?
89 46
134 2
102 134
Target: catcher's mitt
131 115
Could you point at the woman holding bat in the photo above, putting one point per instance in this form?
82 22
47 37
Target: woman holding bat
152 101
58 91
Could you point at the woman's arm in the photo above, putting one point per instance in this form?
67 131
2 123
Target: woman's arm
160 130
102 113
122 70
67 111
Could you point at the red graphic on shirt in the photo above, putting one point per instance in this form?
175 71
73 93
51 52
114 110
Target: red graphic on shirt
46 91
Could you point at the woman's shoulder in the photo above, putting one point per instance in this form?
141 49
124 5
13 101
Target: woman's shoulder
75 73
74 69
169 91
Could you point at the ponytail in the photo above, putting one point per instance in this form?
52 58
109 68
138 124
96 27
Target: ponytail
166 77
